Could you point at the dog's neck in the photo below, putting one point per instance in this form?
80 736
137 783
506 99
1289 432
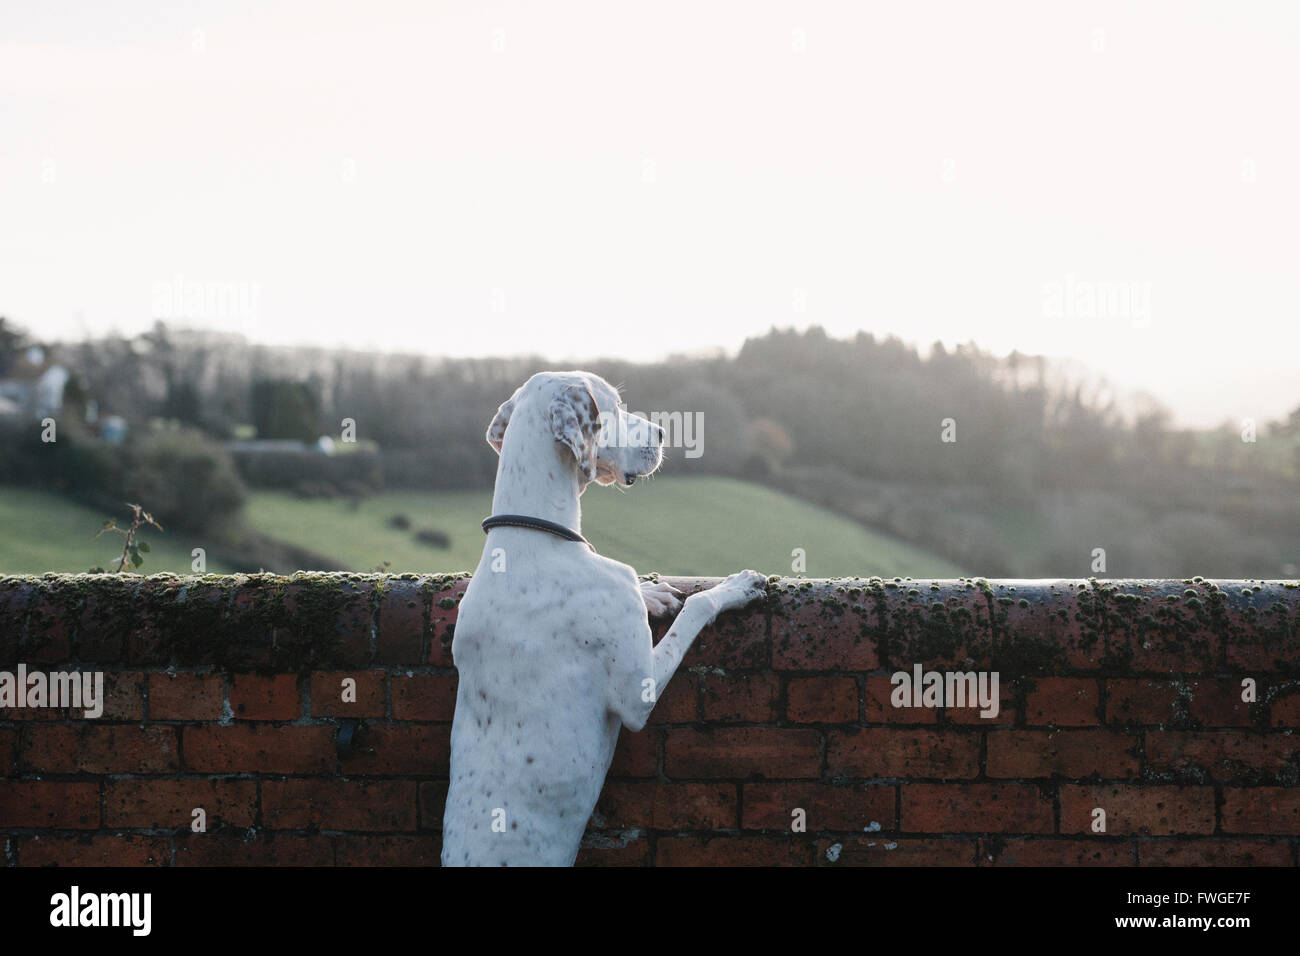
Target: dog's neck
537 475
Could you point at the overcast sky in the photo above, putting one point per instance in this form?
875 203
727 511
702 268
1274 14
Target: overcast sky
1114 183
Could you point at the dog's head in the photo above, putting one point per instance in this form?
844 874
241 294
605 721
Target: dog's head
582 412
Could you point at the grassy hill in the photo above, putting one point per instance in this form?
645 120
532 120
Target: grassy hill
41 531
705 525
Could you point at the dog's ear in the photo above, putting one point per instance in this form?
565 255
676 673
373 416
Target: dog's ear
575 421
496 433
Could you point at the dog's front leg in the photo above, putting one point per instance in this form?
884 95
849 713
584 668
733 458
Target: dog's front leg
698 612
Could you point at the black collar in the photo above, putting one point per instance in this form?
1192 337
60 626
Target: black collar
536 524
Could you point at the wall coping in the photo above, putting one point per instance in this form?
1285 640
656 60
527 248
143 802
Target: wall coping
329 620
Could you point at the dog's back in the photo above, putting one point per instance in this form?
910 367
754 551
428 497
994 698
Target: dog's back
532 738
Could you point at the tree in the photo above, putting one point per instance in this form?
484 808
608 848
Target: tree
12 342
285 410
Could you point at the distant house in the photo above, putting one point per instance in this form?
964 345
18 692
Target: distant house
33 388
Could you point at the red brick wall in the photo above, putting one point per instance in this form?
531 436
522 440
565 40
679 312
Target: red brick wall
223 694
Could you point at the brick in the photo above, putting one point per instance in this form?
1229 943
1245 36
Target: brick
119 695
1020 754
231 848
1285 711
387 850
1263 627
44 804
189 623
102 627
8 750
396 749
1034 851
442 619
123 697
736 640
614 848
258 616
740 697
1156 627
903 752
972 716
332 804
1138 811
948 628
1062 702
424 696
367 691
1176 852
822 700
637 754
733 851
327 617
1261 810
1140 700
260 748
405 621
99 748
678 703
14 598
181 696
433 802
893 851
919 690
48 715
255 697
169 804
1218 703
879 706
742 752
1055 615
810 632
770 806
50 625
1224 755
975 808
656 805
98 849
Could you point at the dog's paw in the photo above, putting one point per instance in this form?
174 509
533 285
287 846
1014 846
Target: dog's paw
660 598
743 587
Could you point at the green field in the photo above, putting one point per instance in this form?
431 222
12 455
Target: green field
41 531
706 526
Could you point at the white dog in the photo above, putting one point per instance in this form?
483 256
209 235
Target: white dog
552 641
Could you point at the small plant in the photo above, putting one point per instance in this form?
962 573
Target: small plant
133 548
